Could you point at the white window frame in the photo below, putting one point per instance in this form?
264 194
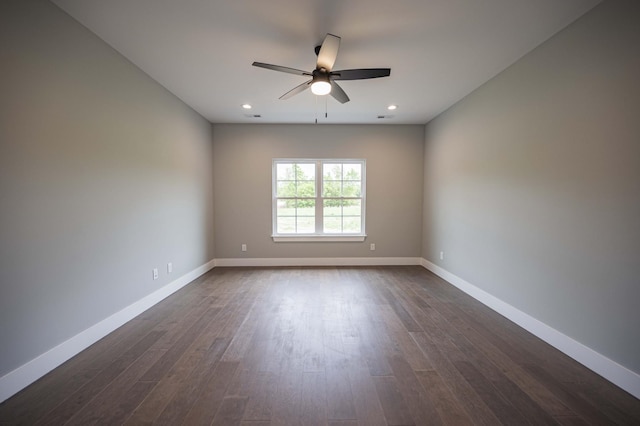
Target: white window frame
318 235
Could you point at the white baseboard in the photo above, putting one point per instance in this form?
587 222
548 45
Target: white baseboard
598 363
21 377
321 261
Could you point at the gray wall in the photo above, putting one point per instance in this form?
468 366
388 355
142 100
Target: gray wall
532 184
242 177
103 176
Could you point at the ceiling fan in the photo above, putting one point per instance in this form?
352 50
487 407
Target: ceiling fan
322 77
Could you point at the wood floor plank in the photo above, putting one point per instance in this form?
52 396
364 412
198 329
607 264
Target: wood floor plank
185 393
288 395
118 413
177 377
253 379
241 339
230 411
244 305
395 408
407 320
365 397
456 382
177 350
314 398
170 397
210 395
260 396
341 346
417 399
338 387
374 341
312 328
574 420
402 343
498 404
445 403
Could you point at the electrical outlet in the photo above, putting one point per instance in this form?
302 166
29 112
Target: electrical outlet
244 247
372 247
169 268
155 273
441 255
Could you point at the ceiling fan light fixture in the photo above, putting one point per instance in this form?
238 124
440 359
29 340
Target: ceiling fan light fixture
321 88
320 85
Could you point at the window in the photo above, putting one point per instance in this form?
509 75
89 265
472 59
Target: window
318 200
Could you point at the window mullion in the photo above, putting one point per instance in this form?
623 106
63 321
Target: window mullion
319 203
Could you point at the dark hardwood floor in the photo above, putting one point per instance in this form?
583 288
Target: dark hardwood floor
321 346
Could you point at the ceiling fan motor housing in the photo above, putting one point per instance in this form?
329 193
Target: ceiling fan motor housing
320 74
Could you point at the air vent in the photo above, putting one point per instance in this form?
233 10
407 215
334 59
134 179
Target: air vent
253 115
382 117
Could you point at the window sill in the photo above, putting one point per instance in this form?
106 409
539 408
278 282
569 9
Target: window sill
317 238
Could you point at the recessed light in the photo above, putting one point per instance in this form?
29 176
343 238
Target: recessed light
246 106
392 107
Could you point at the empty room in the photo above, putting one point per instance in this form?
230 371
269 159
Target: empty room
320 212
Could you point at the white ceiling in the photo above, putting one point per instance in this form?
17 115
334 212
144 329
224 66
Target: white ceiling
438 50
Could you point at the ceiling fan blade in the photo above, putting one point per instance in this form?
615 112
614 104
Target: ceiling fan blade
328 52
360 74
338 93
300 88
280 68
